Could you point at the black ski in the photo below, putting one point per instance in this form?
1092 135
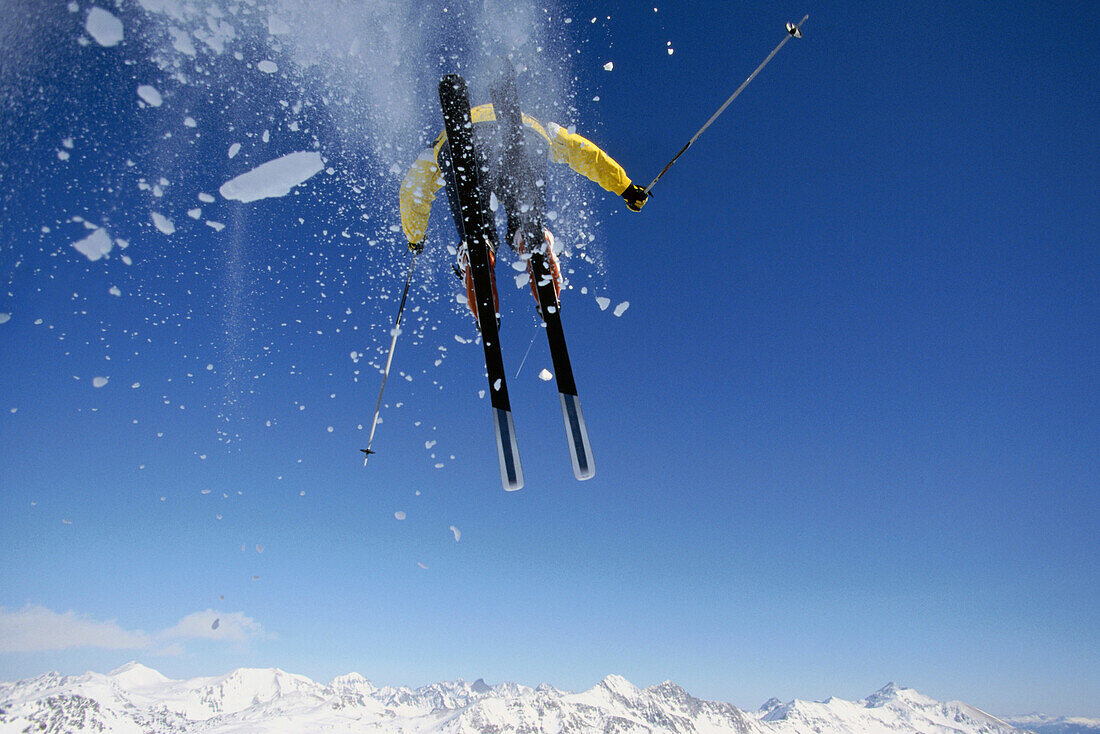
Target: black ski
480 234
523 189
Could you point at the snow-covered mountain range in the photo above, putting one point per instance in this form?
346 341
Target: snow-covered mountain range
136 699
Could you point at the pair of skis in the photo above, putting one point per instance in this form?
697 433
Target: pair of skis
480 234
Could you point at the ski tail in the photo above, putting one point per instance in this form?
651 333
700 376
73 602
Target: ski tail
511 471
580 450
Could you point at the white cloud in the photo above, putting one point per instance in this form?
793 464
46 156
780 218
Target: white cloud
211 625
36 629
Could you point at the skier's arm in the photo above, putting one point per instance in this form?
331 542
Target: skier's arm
418 191
586 158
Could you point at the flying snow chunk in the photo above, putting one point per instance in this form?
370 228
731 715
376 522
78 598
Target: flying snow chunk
602 302
267 67
457 533
274 178
399 515
234 150
163 223
150 95
5 318
181 41
105 28
609 66
545 375
99 381
95 245
621 308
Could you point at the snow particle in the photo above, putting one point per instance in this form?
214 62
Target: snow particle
5 318
267 67
609 66
621 308
457 533
99 381
274 178
603 303
150 95
545 375
399 515
104 27
234 150
95 245
163 223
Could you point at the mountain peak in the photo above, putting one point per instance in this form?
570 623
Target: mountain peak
619 686
351 681
892 693
135 675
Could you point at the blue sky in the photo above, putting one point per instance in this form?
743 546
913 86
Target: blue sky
845 432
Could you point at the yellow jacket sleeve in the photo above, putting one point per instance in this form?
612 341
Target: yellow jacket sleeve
418 191
584 157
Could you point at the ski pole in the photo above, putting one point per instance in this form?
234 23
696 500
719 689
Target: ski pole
389 359
793 31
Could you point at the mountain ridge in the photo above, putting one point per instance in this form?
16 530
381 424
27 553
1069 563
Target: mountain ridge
135 699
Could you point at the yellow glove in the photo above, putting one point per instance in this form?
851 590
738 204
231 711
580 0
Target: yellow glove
635 197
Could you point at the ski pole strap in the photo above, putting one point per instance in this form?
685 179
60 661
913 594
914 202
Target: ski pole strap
790 34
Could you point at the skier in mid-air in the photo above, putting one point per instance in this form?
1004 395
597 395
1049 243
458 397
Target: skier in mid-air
495 151
433 170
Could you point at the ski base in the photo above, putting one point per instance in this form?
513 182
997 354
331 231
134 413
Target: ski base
580 451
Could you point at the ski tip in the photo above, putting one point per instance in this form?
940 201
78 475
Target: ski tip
794 30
